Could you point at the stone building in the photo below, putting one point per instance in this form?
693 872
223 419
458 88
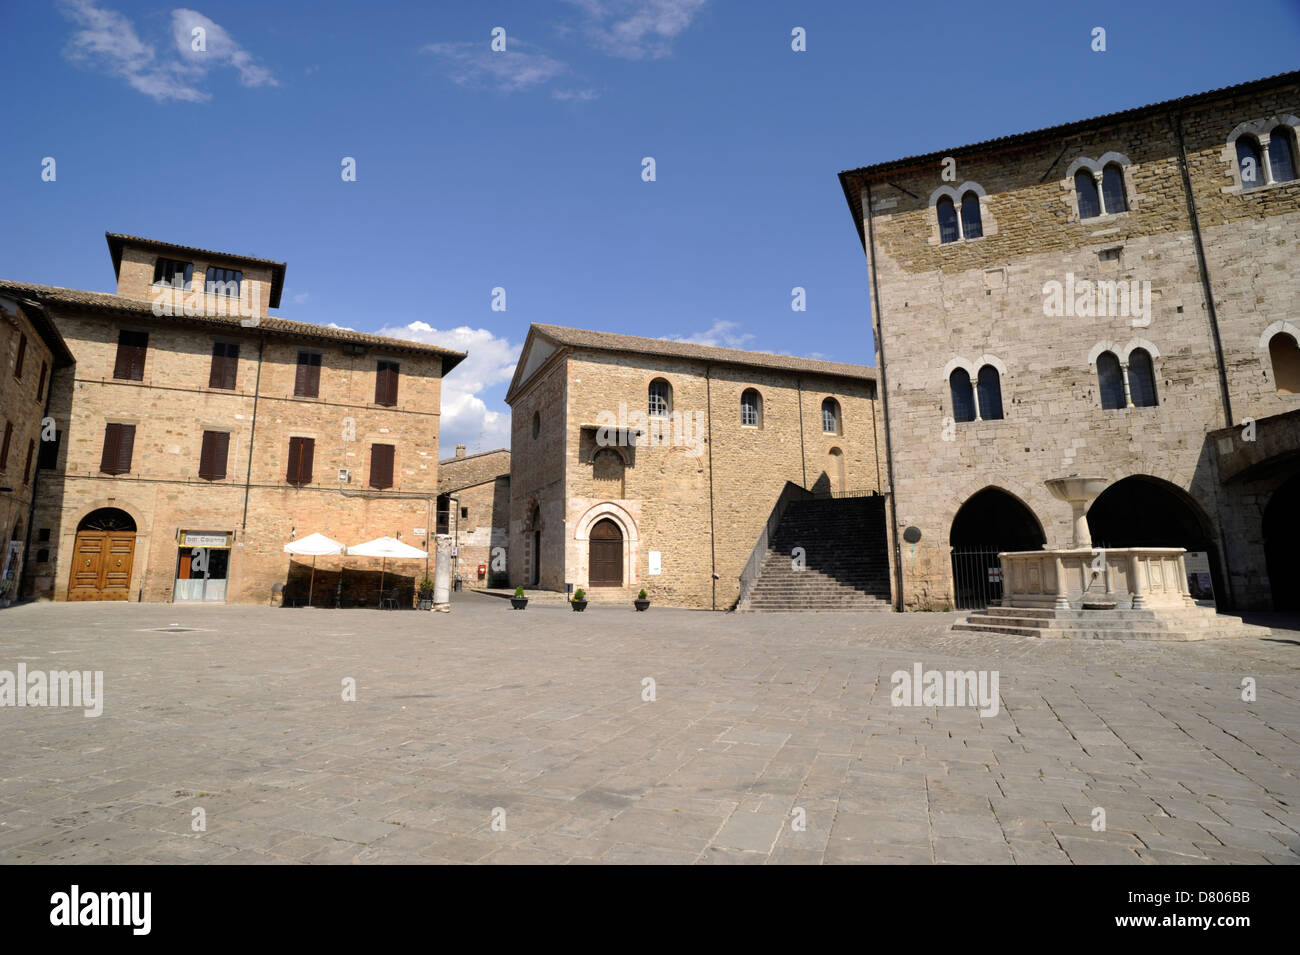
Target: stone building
1112 297
474 510
197 434
31 351
645 463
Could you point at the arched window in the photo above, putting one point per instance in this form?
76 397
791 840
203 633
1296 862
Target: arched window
947 220
830 416
971 223
1285 355
963 398
989 384
1281 155
1249 162
1085 187
1141 379
751 409
1110 381
661 398
537 423
1112 189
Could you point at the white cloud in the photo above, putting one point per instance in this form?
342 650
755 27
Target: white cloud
301 298
107 41
721 335
520 66
466 417
637 29
575 96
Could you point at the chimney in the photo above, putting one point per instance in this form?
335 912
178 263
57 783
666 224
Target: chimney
460 450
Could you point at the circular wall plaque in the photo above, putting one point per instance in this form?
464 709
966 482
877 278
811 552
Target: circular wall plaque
912 534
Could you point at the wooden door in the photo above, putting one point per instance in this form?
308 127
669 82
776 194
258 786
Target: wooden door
606 555
101 565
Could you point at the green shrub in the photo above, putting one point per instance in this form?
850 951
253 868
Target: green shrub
579 594
519 591
641 595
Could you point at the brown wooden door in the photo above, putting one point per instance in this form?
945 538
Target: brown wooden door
101 565
606 557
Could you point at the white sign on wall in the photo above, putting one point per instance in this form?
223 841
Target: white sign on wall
655 563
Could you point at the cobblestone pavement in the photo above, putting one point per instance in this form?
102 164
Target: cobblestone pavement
537 719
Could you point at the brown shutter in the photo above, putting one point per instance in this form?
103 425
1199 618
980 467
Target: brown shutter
302 451
225 365
131 349
213 457
313 377
381 465
4 451
22 353
125 445
386 384
108 460
40 386
306 383
295 455
27 468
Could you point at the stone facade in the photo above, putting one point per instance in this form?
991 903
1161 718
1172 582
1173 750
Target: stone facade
696 499
476 491
938 306
252 505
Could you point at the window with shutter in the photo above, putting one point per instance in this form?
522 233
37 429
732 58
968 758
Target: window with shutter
4 450
213 456
381 465
27 468
386 384
131 349
225 365
119 442
22 353
302 451
40 385
306 383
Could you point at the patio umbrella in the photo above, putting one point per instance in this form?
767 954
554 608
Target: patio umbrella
315 545
386 547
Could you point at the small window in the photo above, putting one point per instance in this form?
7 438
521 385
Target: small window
1112 189
47 459
43 534
443 515
971 224
223 282
22 354
661 398
751 408
963 396
1284 352
1250 162
43 555
386 383
4 448
131 350
1110 381
1085 188
989 383
27 467
381 466
173 272
830 416
306 381
40 385
213 455
1141 379
1281 155
225 365
464 513
119 442
537 423
947 213
302 453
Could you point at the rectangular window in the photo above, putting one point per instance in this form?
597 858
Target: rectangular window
119 442
47 459
27 468
443 515
223 282
40 385
225 365
306 383
464 513
131 349
4 449
381 465
173 272
212 457
386 384
302 452
22 353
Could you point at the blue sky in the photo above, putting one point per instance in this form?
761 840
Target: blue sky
523 169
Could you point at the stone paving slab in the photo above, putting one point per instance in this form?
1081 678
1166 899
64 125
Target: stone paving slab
492 736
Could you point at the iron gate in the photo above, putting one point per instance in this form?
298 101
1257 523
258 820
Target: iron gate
976 577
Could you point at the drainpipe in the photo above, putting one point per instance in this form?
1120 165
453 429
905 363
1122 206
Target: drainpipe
884 401
713 547
803 455
252 434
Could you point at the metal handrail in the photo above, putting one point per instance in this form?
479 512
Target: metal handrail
748 576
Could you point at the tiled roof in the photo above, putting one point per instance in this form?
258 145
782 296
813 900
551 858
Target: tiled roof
105 302
116 241
609 341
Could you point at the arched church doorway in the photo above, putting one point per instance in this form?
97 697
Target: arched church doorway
990 521
102 556
1281 520
605 558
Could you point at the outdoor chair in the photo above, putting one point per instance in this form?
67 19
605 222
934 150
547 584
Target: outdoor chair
388 600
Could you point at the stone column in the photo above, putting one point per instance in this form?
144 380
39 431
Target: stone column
442 575
1135 571
1062 591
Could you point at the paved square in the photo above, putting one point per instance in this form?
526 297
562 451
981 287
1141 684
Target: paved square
536 721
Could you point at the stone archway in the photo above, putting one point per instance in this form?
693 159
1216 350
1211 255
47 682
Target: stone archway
102 556
605 555
1281 518
991 520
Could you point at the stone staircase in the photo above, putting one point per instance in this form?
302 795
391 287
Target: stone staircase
1184 623
846 559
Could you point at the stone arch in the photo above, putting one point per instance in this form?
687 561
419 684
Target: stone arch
1096 350
993 360
1267 335
615 512
1096 165
1136 343
956 363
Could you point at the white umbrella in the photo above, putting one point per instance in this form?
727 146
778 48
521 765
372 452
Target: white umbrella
313 545
386 547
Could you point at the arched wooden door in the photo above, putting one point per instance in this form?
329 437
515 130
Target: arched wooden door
606 555
102 556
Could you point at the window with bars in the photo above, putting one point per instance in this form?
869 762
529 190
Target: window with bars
131 350
381 465
443 517
225 365
119 442
1112 189
302 453
306 382
174 272
1281 154
386 383
660 398
830 416
223 281
750 408
214 455
1085 189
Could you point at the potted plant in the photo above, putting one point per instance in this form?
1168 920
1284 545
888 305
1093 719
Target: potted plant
642 601
579 601
519 601
426 593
